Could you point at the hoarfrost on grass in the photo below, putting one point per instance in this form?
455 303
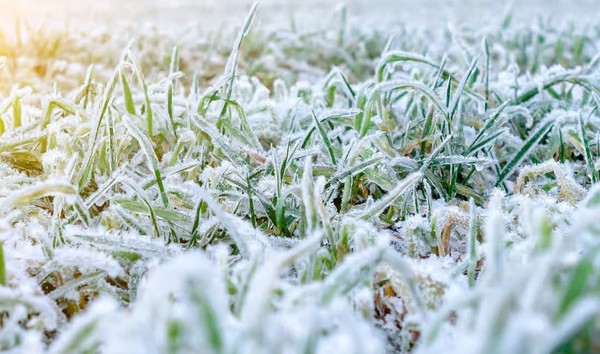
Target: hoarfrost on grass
304 192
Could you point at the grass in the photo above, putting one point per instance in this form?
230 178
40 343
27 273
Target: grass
301 192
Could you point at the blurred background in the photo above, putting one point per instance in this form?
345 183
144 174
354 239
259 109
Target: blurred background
210 14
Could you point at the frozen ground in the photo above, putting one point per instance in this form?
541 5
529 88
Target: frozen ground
174 14
316 191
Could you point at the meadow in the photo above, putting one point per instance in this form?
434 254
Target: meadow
349 189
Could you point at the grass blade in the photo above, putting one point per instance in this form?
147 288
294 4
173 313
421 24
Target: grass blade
531 143
324 137
586 148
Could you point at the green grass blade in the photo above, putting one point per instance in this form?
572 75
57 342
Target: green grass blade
587 151
16 106
146 147
461 87
525 150
324 137
379 206
129 105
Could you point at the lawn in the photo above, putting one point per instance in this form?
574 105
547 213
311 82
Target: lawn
348 189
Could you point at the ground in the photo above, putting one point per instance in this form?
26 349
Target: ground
386 177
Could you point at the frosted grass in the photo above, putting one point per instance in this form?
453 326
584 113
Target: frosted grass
350 189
